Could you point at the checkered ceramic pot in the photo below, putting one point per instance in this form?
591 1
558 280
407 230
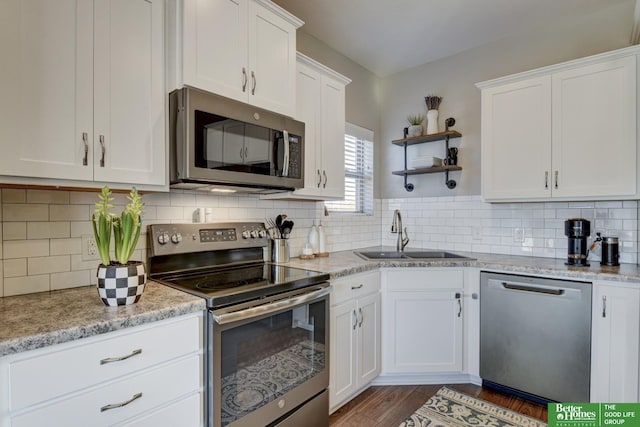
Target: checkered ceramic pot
121 284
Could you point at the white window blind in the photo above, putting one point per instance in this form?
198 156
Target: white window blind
358 171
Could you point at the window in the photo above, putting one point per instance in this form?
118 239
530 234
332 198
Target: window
358 172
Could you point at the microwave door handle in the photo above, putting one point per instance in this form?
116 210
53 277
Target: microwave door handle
180 136
285 161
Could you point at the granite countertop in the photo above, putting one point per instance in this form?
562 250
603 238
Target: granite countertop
344 263
43 319
39 320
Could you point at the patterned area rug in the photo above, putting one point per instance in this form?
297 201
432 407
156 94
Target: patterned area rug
448 408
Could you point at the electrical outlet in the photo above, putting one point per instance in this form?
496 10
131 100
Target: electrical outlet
89 248
518 235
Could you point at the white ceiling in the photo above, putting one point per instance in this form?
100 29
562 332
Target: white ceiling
387 36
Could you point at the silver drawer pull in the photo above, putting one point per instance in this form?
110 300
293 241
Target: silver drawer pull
353 288
119 358
121 404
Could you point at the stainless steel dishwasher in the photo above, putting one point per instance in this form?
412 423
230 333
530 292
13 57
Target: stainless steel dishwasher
535 336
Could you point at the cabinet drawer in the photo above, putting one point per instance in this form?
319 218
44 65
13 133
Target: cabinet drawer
55 372
356 285
421 280
157 386
187 412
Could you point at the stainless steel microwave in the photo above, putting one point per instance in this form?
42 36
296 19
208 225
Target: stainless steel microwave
216 142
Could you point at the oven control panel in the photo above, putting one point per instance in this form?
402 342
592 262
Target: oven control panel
166 239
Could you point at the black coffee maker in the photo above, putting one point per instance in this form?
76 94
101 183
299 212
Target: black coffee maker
577 230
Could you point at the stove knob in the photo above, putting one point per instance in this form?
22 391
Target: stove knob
246 234
254 233
176 238
262 234
163 238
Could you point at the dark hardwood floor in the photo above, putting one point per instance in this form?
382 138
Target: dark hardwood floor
388 406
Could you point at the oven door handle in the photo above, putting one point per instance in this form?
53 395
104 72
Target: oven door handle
268 308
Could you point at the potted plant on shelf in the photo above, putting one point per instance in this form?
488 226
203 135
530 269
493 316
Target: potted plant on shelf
415 125
121 281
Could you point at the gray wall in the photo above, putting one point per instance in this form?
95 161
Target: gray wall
454 77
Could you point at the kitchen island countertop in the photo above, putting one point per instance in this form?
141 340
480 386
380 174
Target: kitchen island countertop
32 321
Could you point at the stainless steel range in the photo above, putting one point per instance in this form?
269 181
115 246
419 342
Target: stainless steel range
267 330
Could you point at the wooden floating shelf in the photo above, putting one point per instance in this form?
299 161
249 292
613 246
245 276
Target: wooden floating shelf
427 138
434 169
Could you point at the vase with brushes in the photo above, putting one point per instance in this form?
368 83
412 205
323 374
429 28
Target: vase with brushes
433 103
120 281
415 125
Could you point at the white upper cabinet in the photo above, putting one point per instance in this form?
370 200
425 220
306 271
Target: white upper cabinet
552 133
48 88
516 139
321 106
129 90
87 88
241 49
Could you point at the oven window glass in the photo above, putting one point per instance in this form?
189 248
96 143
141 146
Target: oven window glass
264 359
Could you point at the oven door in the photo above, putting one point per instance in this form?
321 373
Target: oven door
269 360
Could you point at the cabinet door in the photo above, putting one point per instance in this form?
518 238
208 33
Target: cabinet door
332 138
272 61
343 377
46 80
424 332
368 338
516 140
129 92
594 130
308 111
614 347
215 46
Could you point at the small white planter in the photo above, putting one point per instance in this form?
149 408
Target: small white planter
121 284
414 130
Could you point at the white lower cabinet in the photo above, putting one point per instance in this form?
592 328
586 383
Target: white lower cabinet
146 375
615 339
423 321
355 336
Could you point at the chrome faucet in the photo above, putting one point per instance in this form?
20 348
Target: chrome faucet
396 227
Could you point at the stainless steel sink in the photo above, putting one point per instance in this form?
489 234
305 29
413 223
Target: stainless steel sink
373 255
432 254
380 255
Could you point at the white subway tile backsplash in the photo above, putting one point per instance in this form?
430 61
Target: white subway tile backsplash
25 248
65 246
70 212
48 230
49 264
14 230
71 279
15 267
48 197
26 285
24 212
14 195
48 226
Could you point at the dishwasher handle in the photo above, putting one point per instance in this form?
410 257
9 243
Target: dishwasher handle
532 288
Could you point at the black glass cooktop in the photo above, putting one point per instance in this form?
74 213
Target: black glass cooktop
226 286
